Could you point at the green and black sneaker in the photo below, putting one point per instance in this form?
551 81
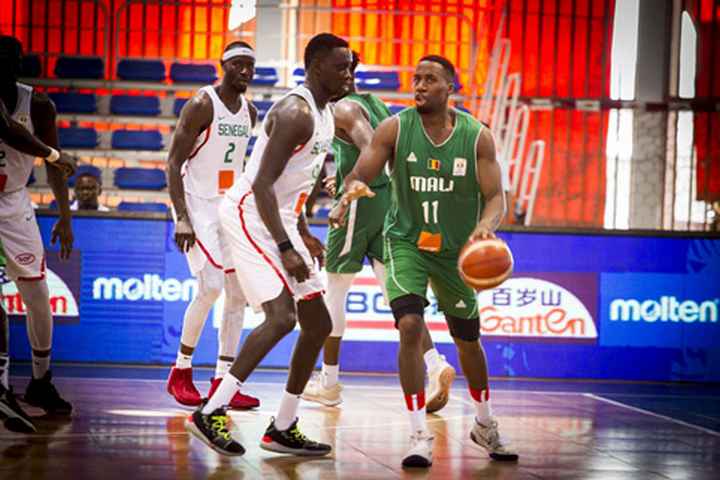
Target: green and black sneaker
292 441
212 430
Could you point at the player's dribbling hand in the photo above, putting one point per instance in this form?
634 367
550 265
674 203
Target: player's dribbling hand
481 232
315 247
330 185
184 235
62 230
295 265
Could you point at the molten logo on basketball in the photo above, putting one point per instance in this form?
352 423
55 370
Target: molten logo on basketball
532 307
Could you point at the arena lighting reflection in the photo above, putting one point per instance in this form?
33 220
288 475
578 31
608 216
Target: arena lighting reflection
147 413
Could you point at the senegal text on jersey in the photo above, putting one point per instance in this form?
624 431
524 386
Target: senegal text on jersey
230 130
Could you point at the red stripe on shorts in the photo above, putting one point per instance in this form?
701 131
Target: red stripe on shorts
256 246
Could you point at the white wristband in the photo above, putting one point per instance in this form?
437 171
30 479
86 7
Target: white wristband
54 155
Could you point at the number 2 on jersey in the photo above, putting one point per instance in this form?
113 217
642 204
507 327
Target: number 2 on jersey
427 205
230 150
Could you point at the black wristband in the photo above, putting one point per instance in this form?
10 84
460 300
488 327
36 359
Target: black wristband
285 246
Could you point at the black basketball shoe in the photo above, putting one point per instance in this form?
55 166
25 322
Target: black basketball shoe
42 393
12 415
291 441
212 430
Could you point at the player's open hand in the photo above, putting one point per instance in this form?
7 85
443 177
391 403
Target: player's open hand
357 189
184 235
295 265
315 247
62 230
330 185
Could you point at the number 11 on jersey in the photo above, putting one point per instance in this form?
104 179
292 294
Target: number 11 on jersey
427 206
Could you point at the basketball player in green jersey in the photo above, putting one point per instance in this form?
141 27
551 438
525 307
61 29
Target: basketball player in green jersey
446 189
356 116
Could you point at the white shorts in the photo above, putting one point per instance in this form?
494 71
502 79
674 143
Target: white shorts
210 245
20 237
257 258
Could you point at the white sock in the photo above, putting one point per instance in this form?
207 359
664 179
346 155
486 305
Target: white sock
224 393
4 370
481 399
183 361
433 360
40 366
330 375
287 413
222 367
416 410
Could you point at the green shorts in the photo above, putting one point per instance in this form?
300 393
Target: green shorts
361 237
408 270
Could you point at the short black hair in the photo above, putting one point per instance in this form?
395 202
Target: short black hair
88 175
11 46
444 62
237 43
320 45
355 61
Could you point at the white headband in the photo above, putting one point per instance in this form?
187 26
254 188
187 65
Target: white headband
238 51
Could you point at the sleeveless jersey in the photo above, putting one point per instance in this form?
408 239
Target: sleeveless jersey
219 154
436 198
15 166
295 183
346 154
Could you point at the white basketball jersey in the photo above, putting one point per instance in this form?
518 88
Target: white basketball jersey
296 181
219 154
15 166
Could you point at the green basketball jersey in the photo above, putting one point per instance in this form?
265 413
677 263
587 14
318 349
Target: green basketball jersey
2 256
346 154
436 198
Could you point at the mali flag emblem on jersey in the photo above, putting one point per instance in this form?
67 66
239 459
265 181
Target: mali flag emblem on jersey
433 164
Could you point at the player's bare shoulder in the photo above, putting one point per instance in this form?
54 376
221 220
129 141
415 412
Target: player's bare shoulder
197 110
387 131
41 105
348 110
292 112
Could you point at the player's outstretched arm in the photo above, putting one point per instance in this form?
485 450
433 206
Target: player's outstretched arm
489 179
370 163
195 117
289 125
42 113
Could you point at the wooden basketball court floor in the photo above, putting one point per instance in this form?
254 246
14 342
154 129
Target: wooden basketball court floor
125 426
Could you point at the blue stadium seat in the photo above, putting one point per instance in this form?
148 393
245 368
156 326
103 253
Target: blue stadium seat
193 73
31 67
458 85
80 67
299 75
140 178
262 107
148 106
85 170
142 207
396 108
178 105
71 102
141 70
74 137
267 76
251 144
137 140
375 80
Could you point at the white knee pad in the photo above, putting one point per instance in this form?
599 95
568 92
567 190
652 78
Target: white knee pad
36 296
233 318
337 290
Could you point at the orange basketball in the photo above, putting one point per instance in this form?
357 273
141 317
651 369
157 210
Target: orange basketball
485 264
